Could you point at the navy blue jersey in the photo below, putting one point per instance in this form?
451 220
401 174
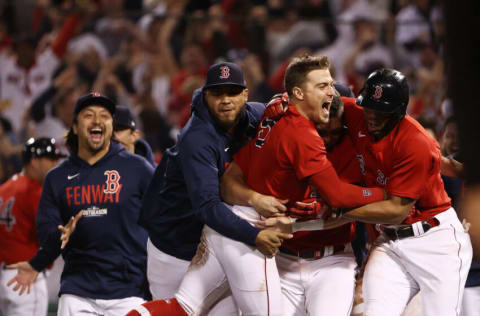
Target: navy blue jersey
106 255
184 192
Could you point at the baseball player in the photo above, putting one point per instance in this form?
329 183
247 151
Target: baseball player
184 193
19 198
426 249
286 155
98 189
422 246
126 133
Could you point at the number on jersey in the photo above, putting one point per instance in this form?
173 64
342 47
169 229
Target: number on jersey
265 128
6 215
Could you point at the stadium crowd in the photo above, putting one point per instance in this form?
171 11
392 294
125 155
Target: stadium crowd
150 56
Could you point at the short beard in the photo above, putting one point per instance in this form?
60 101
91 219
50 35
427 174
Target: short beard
389 126
94 150
228 126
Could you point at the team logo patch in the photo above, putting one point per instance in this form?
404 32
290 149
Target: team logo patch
112 184
381 179
224 72
94 212
366 192
361 163
378 92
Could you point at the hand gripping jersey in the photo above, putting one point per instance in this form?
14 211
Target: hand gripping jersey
406 162
280 160
19 198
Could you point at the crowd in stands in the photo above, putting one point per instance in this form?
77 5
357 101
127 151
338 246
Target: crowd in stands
151 55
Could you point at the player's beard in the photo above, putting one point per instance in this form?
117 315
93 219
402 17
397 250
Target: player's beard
387 128
227 125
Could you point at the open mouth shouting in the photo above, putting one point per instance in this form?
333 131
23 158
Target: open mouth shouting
95 135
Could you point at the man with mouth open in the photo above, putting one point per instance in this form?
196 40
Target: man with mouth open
283 160
88 212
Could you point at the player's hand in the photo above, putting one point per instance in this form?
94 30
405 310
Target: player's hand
269 206
68 229
277 106
307 209
451 168
280 224
268 241
26 276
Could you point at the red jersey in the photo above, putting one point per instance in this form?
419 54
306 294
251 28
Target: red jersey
406 162
278 162
343 159
19 198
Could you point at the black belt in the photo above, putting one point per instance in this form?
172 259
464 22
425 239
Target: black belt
395 233
313 254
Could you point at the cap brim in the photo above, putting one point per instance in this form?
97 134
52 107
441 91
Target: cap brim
224 84
100 100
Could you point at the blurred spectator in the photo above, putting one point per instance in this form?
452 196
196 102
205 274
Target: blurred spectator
351 11
367 53
193 69
415 26
430 125
28 71
450 140
9 152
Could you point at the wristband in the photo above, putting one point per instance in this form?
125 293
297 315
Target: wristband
316 224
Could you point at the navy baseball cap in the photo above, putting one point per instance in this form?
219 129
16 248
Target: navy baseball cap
94 98
124 118
224 73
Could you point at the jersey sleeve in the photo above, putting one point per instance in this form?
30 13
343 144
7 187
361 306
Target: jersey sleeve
305 152
201 173
48 219
412 167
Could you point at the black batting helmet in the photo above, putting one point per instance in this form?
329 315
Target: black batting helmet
40 147
386 90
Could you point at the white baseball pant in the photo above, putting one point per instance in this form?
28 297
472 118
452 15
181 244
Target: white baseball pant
317 287
471 301
12 304
73 305
252 277
165 274
435 263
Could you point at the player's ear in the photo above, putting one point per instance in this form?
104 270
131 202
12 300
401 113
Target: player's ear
245 94
298 93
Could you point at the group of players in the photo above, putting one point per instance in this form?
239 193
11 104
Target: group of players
281 246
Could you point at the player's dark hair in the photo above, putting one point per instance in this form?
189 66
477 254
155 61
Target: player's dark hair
336 108
299 67
449 120
71 141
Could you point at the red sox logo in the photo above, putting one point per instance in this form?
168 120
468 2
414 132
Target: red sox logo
112 181
224 72
378 92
